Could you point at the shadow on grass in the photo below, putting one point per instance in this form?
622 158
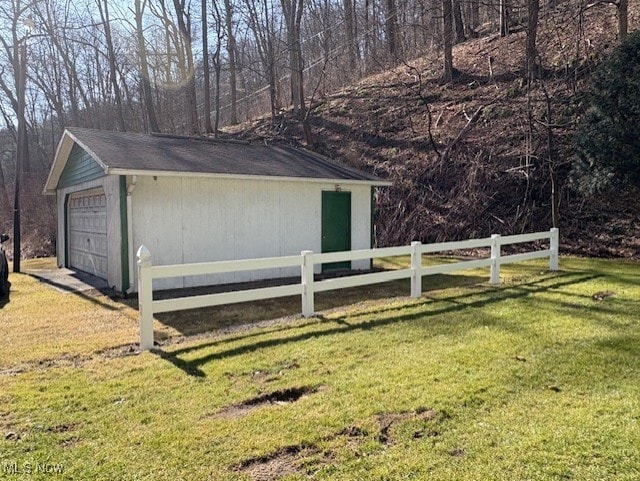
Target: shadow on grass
381 317
198 321
622 344
68 283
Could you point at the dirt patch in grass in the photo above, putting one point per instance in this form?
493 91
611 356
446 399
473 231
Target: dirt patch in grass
264 376
355 436
280 397
13 371
283 462
354 432
66 434
71 442
603 295
66 360
12 436
120 351
303 459
388 421
63 428
457 453
71 360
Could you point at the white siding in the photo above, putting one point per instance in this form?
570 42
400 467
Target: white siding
203 219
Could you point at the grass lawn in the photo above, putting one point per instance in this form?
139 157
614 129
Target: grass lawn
535 379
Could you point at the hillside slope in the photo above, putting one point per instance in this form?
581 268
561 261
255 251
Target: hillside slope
481 155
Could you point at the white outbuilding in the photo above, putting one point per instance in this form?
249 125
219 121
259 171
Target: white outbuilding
200 199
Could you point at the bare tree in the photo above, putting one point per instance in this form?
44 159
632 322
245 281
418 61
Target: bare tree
218 22
504 18
15 49
447 39
103 8
391 26
367 34
233 54
474 15
5 205
623 19
55 27
531 67
206 70
435 22
458 22
185 60
144 68
350 31
48 75
261 20
292 10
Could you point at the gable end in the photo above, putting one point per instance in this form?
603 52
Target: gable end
80 167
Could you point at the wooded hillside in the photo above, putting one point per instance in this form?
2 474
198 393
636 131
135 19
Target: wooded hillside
468 107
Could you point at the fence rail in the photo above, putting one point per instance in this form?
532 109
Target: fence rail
308 286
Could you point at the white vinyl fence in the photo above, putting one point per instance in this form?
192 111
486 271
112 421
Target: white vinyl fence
308 286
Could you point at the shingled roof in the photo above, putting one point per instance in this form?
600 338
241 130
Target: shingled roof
126 153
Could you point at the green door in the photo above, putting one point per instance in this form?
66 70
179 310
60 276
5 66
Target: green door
336 226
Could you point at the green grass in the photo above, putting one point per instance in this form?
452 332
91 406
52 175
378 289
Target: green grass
535 379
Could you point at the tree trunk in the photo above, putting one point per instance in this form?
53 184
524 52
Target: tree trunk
555 194
436 23
22 166
6 206
217 64
188 70
504 18
207 72
292 10
263 32
113 77
75 87
531 67
623 19
144 70
447 39
391 26
458 23
218 71
231 50
475 15
367 35
350 33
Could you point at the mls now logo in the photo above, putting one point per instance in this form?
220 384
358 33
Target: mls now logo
12 467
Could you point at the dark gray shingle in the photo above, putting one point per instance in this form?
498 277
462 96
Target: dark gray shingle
166 153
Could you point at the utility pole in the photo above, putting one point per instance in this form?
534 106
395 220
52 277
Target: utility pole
22 143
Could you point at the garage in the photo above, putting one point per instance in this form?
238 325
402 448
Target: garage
198 199
87 221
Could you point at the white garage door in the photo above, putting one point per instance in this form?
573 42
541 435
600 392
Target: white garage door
88 232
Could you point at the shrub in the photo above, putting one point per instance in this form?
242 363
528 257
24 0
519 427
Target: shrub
608 136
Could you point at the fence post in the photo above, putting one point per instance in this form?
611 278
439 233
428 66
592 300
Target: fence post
145 298
495 259
307 283
554 247
416 269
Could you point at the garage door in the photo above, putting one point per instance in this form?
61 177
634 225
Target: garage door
88 232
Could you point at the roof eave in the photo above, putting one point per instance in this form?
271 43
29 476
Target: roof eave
167 173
